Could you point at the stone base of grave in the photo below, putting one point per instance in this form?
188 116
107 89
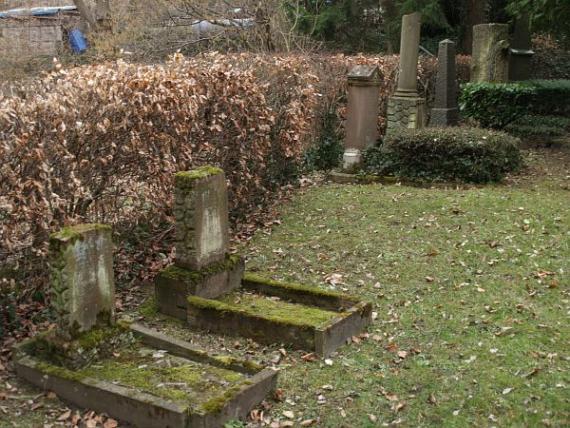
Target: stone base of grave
346 178
153 408
406 112
442 117
303 317
174 284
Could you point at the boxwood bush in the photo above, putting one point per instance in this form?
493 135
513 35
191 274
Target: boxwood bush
530 126
466 154
495 105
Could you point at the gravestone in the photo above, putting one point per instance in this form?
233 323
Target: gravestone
406 109
203 266
362 122
490 61
201 212
445 112
521 52
82 284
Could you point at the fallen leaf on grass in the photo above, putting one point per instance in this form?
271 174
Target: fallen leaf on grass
507 391
289 414
309 357
110 423
398 406
279 395
334 279
308 422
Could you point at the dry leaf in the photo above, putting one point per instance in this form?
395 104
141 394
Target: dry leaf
110 423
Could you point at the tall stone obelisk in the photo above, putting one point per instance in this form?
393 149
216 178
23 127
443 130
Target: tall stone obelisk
406 109
445 111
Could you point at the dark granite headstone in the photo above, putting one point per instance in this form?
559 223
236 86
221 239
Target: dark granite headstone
445 112
521 52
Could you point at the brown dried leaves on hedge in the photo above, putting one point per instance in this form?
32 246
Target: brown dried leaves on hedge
101 142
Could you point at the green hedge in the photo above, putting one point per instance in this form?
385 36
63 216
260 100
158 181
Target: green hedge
529 126
466 154
495 105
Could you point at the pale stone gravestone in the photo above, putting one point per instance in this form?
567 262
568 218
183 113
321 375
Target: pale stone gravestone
83 290
201 211
445 112
521 52
406 109
88 360
362 122
203 266
490 61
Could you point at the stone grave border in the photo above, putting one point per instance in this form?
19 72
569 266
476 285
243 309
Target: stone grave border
354 315
142 409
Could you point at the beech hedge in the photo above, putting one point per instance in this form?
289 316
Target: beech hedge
470 155
100 143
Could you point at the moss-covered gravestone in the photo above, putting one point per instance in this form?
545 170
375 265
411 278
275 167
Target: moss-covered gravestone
130 372
203 266
83 290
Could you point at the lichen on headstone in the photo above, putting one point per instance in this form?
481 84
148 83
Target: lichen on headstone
82 284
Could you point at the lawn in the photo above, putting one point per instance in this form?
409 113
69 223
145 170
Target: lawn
471 290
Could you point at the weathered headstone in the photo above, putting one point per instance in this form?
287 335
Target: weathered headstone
521 52
362 122
201 211
82 284
445 112
406 109
490 53
203 265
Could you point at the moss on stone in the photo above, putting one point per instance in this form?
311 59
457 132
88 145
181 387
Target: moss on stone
197 174
149 308
254 278
189 276
276 311
58 371
180 380
217 404
228 362
82 350
73 233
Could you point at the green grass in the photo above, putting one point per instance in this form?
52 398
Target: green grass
470 286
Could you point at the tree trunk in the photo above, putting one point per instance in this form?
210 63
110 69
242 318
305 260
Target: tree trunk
390 13
476 14
86 13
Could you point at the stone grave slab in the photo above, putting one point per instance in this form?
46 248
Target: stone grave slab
152 381
302 317
125 370
214 297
